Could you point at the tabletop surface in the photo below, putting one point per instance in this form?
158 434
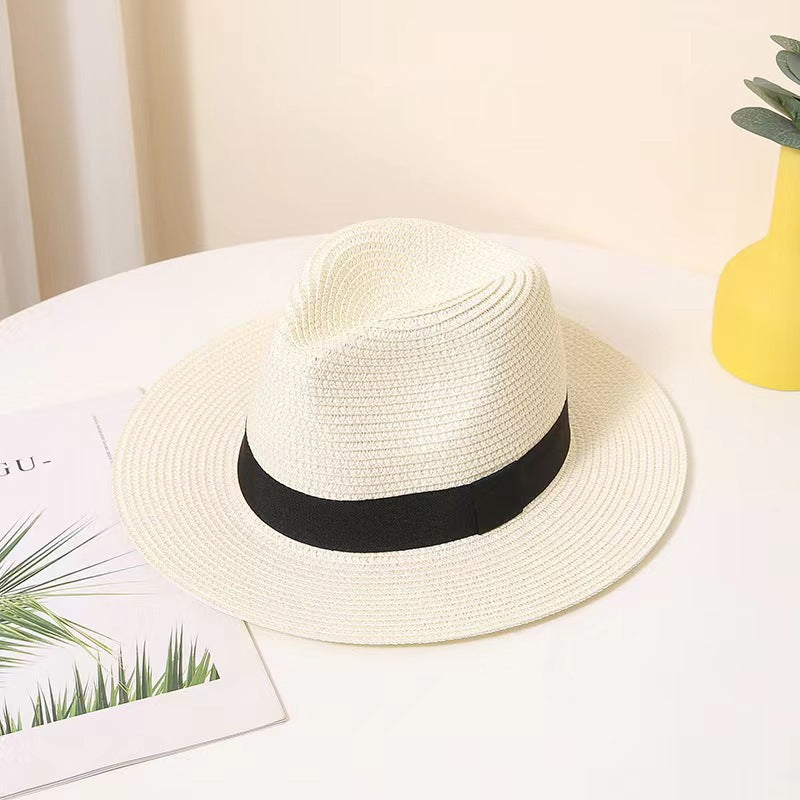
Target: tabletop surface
680 682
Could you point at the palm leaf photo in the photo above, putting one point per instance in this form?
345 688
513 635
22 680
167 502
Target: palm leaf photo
31 577
116 687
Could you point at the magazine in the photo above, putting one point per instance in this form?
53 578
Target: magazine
102 661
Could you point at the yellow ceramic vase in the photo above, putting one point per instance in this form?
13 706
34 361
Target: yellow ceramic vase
756 328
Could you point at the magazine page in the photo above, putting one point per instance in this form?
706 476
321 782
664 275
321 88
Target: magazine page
94 644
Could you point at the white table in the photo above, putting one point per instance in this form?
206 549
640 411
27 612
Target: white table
682 682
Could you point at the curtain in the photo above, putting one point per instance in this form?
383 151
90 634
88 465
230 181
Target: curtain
74 193
19 285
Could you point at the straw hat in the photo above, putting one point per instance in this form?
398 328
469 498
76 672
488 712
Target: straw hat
418 449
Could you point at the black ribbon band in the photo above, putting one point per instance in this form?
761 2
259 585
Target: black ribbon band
410 520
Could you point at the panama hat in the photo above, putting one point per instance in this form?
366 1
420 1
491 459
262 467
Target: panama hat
418 449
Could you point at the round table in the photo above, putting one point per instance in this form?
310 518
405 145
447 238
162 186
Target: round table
683 681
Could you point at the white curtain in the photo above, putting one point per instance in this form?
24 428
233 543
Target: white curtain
19 286
65 97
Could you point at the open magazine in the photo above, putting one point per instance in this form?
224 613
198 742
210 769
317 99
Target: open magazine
102 661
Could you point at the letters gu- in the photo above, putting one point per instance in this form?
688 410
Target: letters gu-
18 465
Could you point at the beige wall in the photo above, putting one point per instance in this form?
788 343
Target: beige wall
606 122
154 128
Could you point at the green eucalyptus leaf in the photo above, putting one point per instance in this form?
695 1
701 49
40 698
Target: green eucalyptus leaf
780 99
790 64
775 87
768 124
786 43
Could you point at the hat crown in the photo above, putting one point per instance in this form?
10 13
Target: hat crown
412 357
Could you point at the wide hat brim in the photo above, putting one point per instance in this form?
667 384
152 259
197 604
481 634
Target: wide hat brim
176 488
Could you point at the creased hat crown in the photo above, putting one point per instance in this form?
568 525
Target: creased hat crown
412 357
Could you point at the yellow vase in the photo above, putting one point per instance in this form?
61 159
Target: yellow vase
756 328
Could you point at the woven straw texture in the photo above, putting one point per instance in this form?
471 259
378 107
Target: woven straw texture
175 471
412 357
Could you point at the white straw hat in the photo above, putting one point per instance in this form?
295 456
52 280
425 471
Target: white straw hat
419 449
